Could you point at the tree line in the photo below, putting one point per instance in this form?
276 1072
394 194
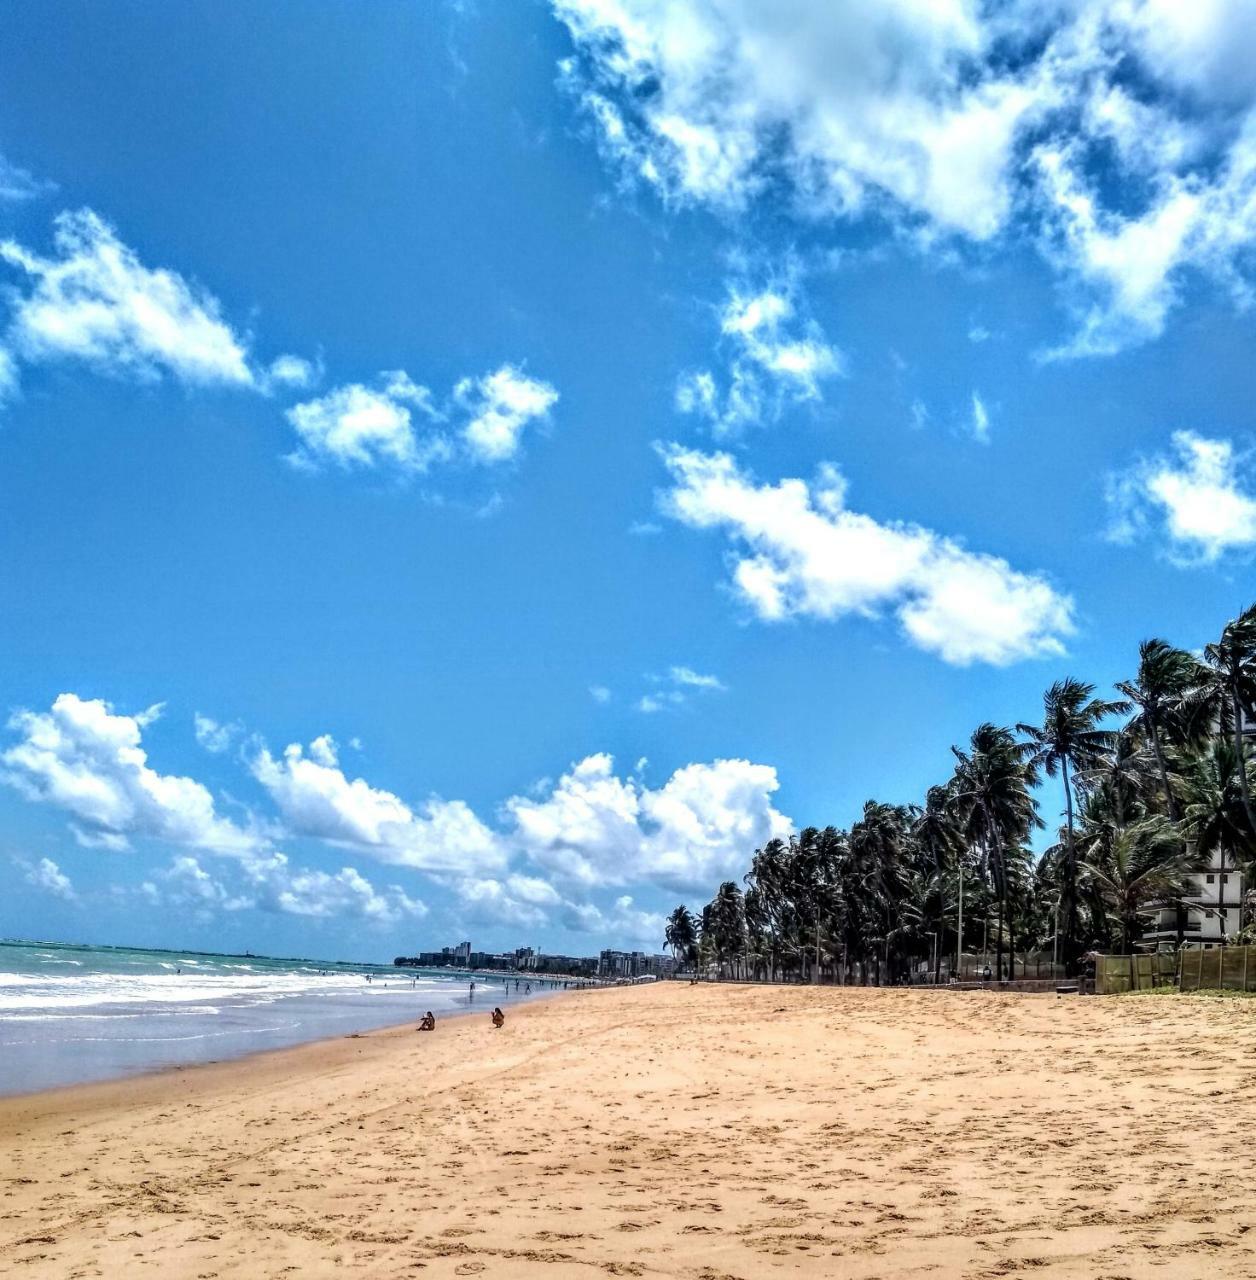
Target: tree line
1156 785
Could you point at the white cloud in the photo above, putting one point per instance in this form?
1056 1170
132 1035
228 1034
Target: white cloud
45 875
500 406
292 371
707 99
624 921
1118 135
520 901
186 884
318 800
594 828
980 423
9 377
214 737
358 427
346 894
801 552
776 359
692 679
1198 494
95 301
674 689
590 829
17 183
88 760
599 693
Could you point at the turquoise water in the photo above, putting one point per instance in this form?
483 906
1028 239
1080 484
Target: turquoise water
70 1014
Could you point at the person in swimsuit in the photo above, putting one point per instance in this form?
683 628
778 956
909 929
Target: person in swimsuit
429 1022
499 1018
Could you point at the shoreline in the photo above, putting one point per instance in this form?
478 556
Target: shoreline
191 1069
672 1133
283 1054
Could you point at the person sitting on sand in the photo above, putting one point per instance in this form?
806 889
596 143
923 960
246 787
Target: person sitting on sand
499 1018
429 1022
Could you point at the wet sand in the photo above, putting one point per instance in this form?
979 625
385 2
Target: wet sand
705 1133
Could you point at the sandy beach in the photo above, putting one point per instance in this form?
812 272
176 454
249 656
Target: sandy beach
709 1133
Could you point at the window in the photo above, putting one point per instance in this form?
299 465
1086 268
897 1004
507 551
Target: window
1211 878
1224 916
1224 879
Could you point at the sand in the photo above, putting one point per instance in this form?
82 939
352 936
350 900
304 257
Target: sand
697 1132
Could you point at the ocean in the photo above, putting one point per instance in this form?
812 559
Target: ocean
71 1014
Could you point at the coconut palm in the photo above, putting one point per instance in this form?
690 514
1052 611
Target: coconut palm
1228 691
876 845
727 925
936 831
1070 737
1160 696
991 795
1148 863
681 933
1122 776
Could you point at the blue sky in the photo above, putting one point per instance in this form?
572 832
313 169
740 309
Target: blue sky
477 470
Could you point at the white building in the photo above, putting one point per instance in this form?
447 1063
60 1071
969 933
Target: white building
1214 901
1214 904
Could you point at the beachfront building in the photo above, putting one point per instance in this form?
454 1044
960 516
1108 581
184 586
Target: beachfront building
458 957
1213 904
577 966
634 964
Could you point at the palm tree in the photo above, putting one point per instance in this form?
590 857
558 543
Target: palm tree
1070 737
681 933
768 907
935 830
991 789
1148 864
1122 775
1159 696
728 924
1229 690
876 846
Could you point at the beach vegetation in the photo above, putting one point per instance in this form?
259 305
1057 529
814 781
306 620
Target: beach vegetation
1154 785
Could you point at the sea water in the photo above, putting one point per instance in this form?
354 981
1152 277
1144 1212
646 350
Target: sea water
70 1014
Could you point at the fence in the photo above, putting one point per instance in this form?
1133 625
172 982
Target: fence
972 966
1114 974
1219 969
1192 969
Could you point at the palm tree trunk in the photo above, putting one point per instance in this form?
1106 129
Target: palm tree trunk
1158 751
1011 933
1242 759
1070 877
998 932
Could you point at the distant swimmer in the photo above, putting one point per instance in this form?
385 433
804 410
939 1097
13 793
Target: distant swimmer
471 992
499 1018
429 1022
